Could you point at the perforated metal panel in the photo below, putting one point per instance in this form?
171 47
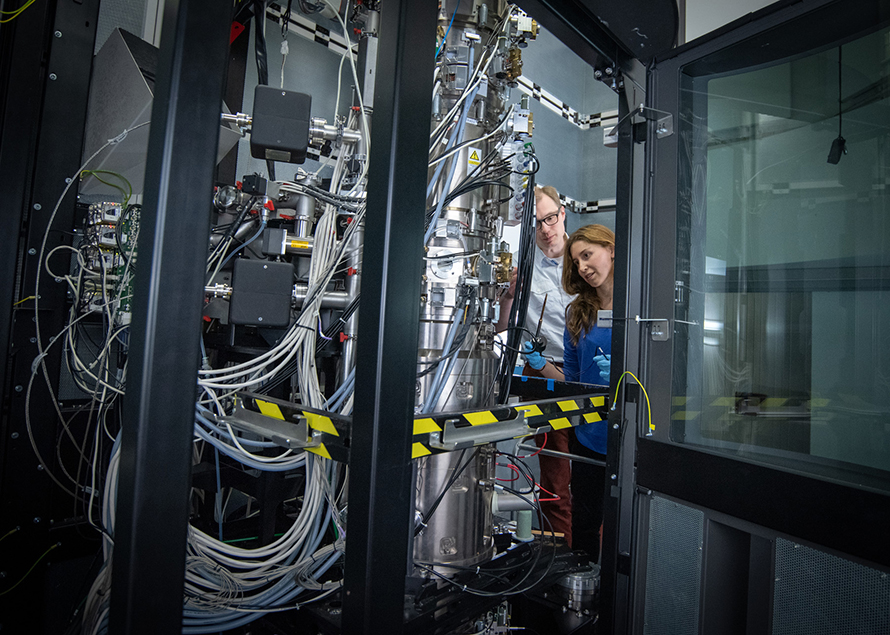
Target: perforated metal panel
673 570
126 14
819 594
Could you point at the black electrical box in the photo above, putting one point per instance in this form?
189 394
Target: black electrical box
280 128
261 293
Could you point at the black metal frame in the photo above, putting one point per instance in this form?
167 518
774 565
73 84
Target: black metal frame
155 465
47 57
380 523
154 480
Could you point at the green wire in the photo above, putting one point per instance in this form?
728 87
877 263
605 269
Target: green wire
58 544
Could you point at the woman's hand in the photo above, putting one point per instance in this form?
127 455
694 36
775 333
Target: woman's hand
605 365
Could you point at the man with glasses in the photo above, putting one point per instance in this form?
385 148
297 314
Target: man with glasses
550 241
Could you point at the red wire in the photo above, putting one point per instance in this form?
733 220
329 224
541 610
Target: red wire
548 491
512 467
543 445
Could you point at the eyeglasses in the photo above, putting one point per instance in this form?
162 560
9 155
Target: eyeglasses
549 220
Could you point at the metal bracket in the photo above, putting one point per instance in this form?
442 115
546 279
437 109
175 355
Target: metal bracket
664 121
454 438
296 435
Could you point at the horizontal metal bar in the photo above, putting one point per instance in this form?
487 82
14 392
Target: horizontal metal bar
560 455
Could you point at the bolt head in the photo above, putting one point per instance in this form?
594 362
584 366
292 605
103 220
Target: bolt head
58 34
36 520
15 435
32 252
37 206
614 477
19 388
53 76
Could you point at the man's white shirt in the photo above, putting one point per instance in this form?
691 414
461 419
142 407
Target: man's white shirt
547 280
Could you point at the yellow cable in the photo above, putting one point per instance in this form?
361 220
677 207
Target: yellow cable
15 12
648 405
31 569
10 532
30 297
127 194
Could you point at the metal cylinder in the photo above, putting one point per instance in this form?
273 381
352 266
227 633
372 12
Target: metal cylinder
579 589
459 530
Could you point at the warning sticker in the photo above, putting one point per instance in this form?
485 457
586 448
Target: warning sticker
473 157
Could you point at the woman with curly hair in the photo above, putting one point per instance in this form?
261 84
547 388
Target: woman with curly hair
588 272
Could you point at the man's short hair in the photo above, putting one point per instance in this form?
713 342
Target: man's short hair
548 191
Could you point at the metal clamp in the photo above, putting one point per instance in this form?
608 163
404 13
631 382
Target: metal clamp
454 438
293 435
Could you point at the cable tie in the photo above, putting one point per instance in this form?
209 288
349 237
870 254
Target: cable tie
37 361
119 138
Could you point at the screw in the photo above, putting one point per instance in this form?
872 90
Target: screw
53 76
614 426
58 34
32 252
33 340
15 435
39 467
265 266
36 519
68 179
38 206
259 319
19 388
608 70
614 477
597 74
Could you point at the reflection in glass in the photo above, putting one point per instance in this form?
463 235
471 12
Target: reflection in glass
784 263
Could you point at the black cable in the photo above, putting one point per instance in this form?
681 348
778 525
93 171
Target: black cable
454 476
522 294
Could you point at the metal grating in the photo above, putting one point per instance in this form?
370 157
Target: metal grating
673 569
819 594
126 14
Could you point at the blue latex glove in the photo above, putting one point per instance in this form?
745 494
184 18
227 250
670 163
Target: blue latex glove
535 360
605 365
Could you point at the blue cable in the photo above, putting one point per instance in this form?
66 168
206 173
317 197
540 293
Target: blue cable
219 513
448 30
243 245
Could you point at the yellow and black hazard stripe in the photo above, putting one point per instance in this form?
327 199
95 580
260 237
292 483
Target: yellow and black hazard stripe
540 416
334 428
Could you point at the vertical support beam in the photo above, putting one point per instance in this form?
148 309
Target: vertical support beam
152 508
619 496
380 496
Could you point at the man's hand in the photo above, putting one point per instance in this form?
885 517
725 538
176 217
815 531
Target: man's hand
511 291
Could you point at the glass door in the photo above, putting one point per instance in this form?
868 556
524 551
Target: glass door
763 494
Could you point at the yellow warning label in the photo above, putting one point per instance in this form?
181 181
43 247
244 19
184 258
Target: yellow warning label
480 418
598 401
567 406
559 424
590 417
425 426
530 411
321 423
320 451
270 409
473 158
299 244
419 449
